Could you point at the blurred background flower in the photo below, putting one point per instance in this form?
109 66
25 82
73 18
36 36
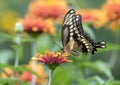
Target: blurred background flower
38 25
48 8
34 24
94 17
112 9
26 76
7 73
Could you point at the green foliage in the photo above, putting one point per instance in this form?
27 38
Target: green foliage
9 81
44 42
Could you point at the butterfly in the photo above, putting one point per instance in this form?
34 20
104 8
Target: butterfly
74 38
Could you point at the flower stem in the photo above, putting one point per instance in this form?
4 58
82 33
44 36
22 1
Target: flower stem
33 82
18 37
50 77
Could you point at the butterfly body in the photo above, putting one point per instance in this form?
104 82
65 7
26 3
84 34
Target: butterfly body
73 37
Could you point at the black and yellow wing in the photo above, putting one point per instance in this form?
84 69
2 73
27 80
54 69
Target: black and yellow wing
74 38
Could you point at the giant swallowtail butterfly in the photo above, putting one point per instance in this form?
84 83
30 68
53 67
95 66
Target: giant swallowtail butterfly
74 38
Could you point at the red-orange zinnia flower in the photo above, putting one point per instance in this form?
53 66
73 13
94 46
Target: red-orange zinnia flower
48 9
37 25
112 8
33 24
51 59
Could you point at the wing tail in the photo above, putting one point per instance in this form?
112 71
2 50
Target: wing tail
100 45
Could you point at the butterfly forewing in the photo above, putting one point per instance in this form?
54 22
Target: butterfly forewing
67 23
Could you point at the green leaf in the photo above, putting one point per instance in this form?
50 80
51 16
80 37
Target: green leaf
64 73
5 37
12 81
97 79
100 67
89 31
5 55
112 82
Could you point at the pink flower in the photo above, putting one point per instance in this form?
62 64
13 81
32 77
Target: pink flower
33 24
48 9
51 59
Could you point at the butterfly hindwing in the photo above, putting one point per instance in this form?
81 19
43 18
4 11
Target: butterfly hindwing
89 46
